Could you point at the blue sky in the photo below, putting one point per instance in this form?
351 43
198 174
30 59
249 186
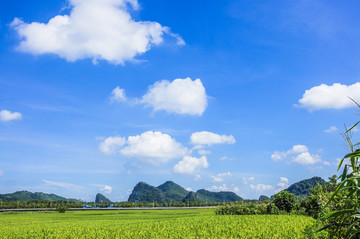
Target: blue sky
243 96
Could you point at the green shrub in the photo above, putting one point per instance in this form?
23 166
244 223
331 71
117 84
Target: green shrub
285 201
272 209
62 209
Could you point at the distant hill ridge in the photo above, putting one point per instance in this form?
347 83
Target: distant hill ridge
303 188
172 192
26 196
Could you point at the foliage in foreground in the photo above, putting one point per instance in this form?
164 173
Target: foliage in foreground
344 220
193 223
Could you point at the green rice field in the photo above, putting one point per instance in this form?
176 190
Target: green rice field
191 223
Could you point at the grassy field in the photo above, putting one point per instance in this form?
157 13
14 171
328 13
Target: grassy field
195 223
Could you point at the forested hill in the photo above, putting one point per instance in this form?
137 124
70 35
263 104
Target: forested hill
101 199
26 196
172 192
303 188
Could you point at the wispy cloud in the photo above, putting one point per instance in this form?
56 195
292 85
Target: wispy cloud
68 186
331 129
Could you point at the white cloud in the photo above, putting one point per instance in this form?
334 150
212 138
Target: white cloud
182 96
248 180
224 187
298 149
6 115
217 179
209 138
203 152
220 177
118 95
197 177
236 190
283 182
261 187
307 158
156 146
189 189
153 147
298 154
103 188
331 129
95 29
106 189
330 96
326 163
189 165
111 144
226 158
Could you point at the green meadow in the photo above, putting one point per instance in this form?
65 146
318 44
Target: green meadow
191 223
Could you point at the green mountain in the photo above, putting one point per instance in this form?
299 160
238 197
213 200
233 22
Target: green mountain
303 188
173 191
207 196
26 196
170 191
144 192
191 197
101 199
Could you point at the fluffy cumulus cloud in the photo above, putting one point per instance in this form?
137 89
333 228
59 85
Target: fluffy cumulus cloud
261 187
190 165
307 158
181 96
111 144
153 147
209 138
334 96
103 188
299 154
106 189
118 95
284 182
220 177
95 29
6 115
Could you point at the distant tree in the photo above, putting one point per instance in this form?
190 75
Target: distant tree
62 209
331 185
285 201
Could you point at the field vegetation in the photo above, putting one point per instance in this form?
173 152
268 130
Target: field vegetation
192 223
